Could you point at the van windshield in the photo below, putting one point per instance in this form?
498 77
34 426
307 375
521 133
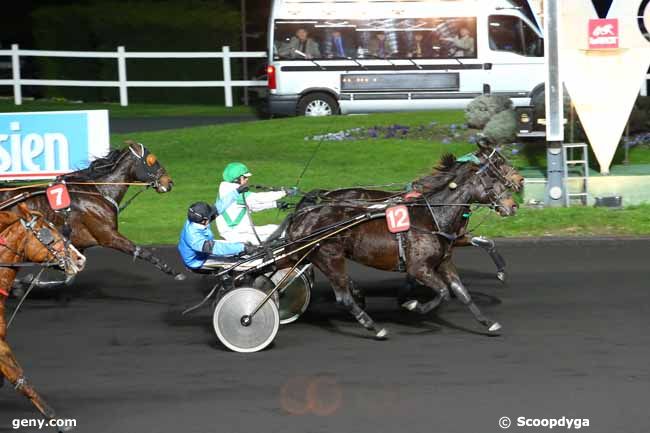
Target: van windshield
435 38
508 33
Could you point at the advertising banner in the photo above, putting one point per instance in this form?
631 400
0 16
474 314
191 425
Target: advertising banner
43 145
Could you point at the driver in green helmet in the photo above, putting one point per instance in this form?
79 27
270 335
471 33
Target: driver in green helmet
234 224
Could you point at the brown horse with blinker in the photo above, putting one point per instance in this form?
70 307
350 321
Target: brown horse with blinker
26 236
96 193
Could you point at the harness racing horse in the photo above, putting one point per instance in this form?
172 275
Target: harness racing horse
437 218
430 183
95 193
27 236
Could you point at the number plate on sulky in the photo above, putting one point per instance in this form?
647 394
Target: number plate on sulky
397 219
58 197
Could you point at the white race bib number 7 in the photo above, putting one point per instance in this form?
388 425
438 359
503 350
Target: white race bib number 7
397 219
58 197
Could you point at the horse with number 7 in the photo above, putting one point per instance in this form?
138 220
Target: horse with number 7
96 193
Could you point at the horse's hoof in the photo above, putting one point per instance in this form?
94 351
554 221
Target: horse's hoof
495 328
180 277
501 276
382 334
65 429
410 305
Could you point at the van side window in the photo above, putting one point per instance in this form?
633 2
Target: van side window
387 38
297 41
511 34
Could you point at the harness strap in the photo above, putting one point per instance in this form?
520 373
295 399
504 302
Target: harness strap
113 202
401 267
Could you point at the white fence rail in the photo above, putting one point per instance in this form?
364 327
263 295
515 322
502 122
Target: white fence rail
123 83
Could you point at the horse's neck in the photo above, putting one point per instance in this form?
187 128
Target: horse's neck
116 189
7 277
449 218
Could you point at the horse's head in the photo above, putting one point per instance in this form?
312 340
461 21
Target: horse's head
489 155
148 169
485 185
32 238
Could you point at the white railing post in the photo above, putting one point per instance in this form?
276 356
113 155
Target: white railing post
15 69
644 86
121 73
227 87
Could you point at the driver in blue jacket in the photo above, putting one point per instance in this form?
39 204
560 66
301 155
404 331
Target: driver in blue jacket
197 245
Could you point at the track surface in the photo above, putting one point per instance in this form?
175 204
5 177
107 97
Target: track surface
119 357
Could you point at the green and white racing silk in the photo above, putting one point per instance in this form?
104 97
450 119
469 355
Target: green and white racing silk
235 218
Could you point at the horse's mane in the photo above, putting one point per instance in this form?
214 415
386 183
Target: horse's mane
440 175
446 163
98 168
6 219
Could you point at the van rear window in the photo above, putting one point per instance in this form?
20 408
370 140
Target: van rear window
435 38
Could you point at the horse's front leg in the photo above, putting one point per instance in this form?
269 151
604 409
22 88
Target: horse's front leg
10 369
449 273
117 241
489 247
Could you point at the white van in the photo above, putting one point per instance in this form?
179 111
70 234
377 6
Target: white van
359 56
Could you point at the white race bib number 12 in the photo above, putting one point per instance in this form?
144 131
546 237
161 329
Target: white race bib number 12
397 219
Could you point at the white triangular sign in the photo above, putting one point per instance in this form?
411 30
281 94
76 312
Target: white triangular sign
603 84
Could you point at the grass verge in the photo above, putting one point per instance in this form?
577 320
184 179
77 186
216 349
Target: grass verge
276 151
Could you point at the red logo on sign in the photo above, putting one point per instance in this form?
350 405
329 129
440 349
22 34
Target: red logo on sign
58 196
397 219
603 33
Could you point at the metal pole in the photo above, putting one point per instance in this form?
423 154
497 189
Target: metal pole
244 47
555 186
15 70
227 82
121 75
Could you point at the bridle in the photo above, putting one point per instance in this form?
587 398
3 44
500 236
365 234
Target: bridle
148 169
490 164
45 237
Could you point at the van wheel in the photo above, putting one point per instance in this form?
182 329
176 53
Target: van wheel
317 104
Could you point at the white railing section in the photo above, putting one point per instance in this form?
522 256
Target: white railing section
123 83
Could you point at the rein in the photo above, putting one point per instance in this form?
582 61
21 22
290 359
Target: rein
22 300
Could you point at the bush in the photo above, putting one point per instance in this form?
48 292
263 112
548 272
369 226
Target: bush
640 116
502 128
479 112
164 25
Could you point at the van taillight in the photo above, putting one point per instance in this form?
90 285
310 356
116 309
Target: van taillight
270 73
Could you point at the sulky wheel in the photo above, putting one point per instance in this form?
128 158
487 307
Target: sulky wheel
236 329
294 298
